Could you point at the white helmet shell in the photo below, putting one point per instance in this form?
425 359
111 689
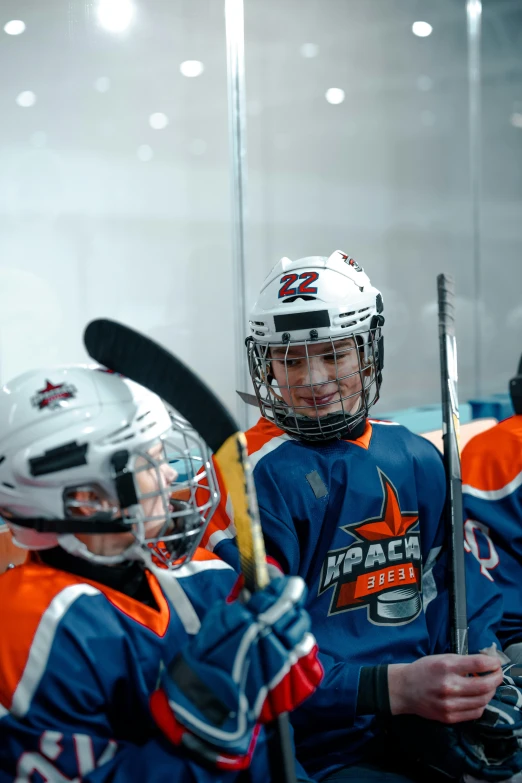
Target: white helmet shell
317 303
314 298
60 430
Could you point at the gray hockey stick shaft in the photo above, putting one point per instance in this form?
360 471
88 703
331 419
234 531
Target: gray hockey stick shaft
451 449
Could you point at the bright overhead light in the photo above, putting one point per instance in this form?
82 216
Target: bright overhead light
192 68
474 9
334 95
158 120
115 15
516 119
14 27
144 153
102 84
421 29
309 50
26 99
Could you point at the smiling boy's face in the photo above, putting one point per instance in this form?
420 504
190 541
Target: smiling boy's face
317 379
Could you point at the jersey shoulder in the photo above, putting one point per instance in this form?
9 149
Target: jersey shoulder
492 460
263 434
394 434
35 599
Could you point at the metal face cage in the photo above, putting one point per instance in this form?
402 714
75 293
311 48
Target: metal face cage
318 390
166 494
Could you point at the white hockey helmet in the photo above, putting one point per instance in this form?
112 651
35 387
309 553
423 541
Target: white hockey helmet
75 457
310 302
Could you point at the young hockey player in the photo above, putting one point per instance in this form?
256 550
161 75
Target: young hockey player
120 658
492 494
355 507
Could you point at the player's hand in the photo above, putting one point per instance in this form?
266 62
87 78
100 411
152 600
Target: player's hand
439 687
249 663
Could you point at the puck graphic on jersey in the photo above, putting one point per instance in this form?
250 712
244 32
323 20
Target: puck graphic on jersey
399 604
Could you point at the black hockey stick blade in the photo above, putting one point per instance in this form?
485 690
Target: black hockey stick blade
139 358
249 399
451 449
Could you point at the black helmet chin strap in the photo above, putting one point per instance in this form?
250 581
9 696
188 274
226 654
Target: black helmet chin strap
331 429
82 525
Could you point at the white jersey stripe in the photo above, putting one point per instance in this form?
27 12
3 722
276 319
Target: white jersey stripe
493 494
268 447
220 535
196 566
429 586
228 532
179 599
385 423
42 643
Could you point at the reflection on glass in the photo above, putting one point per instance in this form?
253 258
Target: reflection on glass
14 27
115 15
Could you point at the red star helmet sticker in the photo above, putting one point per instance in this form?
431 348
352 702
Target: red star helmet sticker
392 522
50 387
51 395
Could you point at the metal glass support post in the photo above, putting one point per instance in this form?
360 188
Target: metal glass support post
235 34
474 25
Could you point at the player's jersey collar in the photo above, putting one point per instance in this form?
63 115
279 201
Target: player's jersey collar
266 430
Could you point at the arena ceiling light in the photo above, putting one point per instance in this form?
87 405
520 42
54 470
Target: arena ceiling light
334 95
115 15
158 120
102 84
191 68
26 99
14 27
421 29
309 50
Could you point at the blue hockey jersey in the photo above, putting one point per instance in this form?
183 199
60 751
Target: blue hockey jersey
78 662
361 522
492 493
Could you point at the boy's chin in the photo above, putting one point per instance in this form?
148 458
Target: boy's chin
311 413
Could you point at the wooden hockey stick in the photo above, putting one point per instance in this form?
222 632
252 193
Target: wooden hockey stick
451 451
139 358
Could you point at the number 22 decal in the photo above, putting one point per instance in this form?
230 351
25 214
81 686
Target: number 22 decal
303 288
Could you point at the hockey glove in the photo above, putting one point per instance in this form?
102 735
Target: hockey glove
488 749
249 663
493 742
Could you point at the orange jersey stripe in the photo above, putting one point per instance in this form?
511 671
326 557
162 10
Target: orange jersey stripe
204 554
220 519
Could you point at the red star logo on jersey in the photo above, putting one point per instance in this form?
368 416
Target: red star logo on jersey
391 523
51 396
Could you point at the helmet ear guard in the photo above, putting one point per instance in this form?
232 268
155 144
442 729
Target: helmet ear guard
123 479
377 339
515 390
